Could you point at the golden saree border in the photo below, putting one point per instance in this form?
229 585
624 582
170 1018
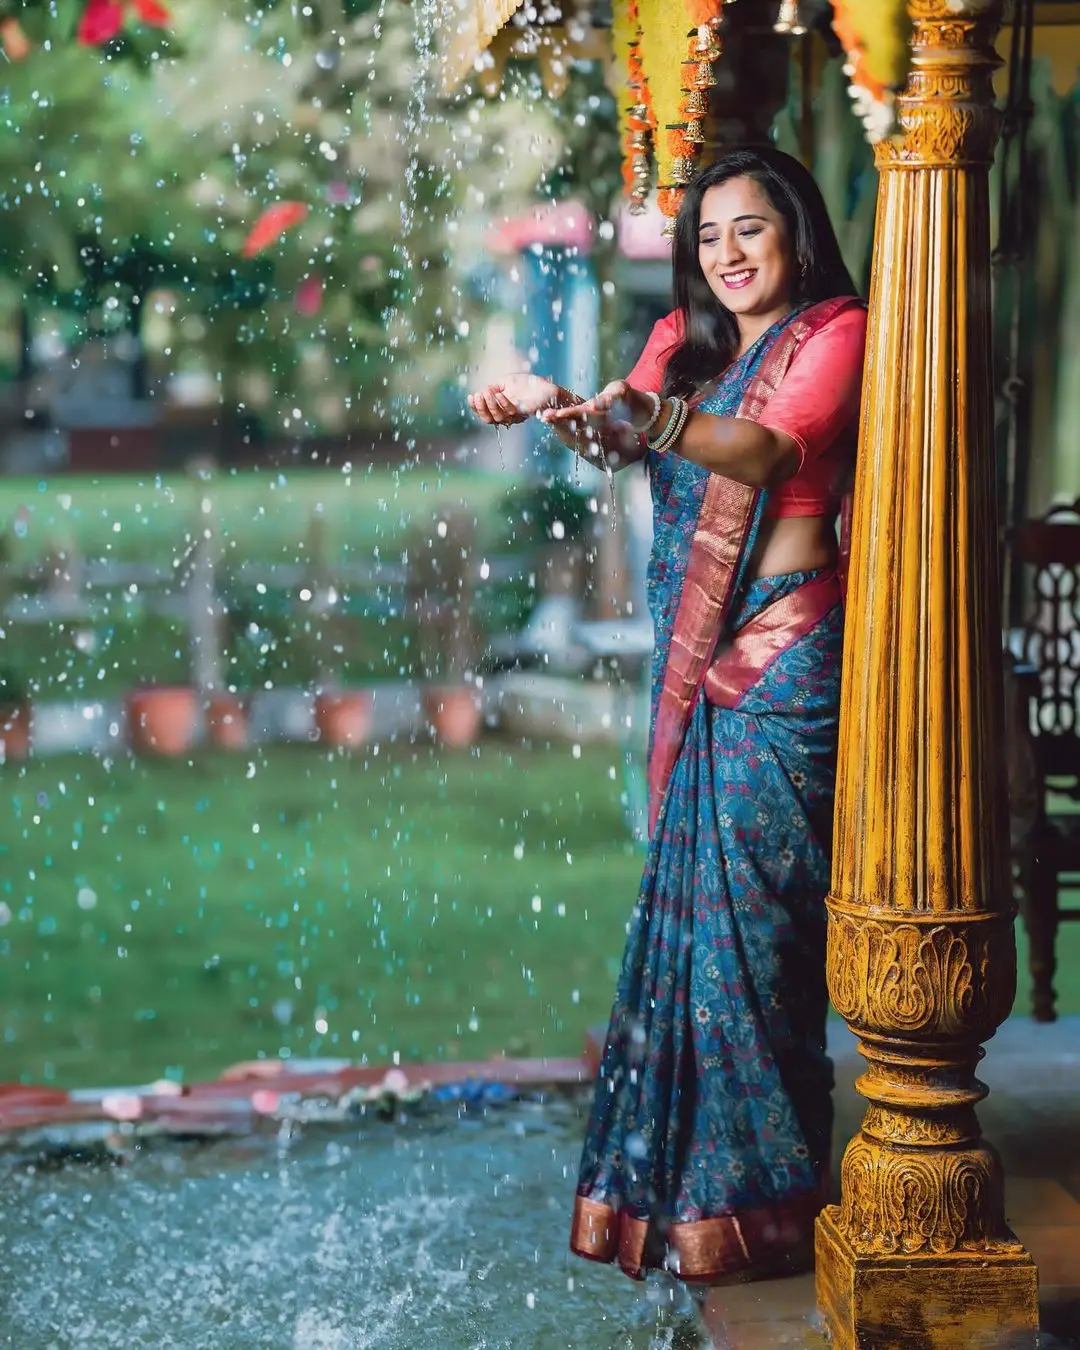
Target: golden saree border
758 643
721 536
698 1252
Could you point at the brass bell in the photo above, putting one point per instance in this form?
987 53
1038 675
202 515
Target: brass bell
683 169
789 20
707 47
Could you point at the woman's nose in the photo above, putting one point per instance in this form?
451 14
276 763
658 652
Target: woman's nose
731 251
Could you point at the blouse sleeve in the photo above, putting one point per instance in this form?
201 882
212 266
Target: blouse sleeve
820 394
648 374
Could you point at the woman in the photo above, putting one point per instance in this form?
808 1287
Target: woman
707 1150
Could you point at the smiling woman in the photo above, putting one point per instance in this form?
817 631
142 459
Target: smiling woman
707 1150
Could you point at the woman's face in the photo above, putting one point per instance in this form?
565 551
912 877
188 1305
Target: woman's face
745 250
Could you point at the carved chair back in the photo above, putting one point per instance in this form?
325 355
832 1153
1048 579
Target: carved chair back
1050 643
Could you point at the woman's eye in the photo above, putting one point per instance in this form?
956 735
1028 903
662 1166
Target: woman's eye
749 234
708 239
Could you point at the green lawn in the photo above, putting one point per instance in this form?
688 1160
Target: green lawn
165 915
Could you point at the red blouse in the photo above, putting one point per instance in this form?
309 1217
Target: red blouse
817 405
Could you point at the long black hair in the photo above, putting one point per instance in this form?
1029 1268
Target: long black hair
711 334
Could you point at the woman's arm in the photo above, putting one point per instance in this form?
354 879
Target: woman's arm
744 451
816 399
521 396
732 446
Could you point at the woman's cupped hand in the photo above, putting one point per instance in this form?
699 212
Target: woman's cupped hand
514 399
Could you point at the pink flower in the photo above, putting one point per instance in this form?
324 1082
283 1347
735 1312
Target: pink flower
272 224
102 20
309 296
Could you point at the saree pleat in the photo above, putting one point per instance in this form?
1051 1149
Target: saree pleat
707 1148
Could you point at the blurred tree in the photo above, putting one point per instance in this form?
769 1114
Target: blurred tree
143 164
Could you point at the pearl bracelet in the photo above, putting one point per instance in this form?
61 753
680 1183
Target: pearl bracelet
657 405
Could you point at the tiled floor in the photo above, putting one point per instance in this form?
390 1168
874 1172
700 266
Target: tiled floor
1032 1116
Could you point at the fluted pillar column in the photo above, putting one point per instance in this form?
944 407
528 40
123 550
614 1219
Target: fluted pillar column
921 959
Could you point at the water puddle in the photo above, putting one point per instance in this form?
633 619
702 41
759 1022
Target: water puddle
447 1230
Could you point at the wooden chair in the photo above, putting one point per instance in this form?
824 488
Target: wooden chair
1043 683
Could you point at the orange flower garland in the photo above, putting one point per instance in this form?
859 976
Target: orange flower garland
641 121
701 12
875 36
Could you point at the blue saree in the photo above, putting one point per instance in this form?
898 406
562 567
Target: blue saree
707 1147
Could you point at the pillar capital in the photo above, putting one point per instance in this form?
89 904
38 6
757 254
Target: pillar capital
947 115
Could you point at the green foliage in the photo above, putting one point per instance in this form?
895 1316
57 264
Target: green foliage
13 686
62 660
258 644
115 179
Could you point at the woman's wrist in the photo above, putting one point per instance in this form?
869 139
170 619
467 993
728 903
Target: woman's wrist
644 418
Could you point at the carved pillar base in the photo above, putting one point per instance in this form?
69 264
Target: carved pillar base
982 1301
918 1255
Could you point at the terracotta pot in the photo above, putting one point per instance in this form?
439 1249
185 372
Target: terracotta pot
162 721
227 722
343 720
14 731
454 714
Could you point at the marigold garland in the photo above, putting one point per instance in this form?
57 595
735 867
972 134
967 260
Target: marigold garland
640 117
686 138
702 12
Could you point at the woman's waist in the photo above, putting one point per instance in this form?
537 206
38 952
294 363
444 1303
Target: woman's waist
794 544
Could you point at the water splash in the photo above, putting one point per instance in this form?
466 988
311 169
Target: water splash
441 1231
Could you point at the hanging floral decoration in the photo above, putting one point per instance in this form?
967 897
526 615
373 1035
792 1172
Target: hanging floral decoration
686 137
876 37
639 119
668 74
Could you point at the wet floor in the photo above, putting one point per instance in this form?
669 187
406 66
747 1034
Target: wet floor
443 1231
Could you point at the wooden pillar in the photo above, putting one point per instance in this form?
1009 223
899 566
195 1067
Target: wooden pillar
921 959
